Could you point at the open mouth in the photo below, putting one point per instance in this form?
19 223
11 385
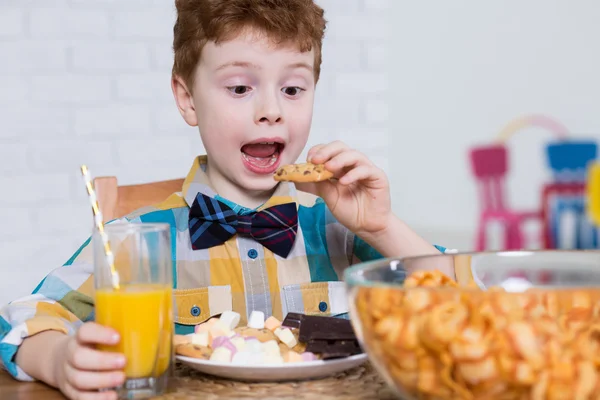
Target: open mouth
262 157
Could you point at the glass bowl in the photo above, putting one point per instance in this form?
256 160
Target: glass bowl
495 325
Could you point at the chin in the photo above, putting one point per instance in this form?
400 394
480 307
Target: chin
259 184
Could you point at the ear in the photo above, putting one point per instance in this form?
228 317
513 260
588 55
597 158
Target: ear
184 100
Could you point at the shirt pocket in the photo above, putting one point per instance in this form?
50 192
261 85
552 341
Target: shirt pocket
194 306
317 298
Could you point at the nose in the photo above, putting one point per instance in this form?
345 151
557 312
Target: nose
268 110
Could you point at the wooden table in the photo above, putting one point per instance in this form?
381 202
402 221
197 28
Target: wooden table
10 389
361 383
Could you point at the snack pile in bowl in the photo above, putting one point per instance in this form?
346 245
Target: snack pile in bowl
298 338
436 340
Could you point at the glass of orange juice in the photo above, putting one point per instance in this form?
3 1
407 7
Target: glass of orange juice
140 306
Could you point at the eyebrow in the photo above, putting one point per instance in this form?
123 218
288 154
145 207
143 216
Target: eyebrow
300 65
245 64
242 64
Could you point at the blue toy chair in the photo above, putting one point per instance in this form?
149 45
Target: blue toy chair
568 160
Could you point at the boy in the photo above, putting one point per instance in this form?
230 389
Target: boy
245 73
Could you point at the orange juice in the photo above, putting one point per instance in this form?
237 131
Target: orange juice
143 316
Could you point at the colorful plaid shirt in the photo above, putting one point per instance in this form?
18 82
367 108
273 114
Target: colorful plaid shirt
239 275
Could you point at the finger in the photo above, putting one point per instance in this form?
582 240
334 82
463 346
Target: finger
346 159
362 173
69 391
86 358
329 151
330 193
308 187
313 150
75 394
315 188
88 380
92 333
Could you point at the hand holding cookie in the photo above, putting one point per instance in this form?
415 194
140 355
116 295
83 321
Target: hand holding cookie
358 186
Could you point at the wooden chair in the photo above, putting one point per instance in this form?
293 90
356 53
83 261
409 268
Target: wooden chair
117 201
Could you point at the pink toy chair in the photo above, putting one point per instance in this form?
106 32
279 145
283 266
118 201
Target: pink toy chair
489 165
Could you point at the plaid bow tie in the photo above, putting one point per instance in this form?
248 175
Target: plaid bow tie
212 223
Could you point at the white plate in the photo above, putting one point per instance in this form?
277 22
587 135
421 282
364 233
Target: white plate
276 372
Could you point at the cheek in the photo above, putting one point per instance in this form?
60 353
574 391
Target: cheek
211 108
220 125
299 121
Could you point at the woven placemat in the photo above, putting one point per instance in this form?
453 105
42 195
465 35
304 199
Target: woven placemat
356 384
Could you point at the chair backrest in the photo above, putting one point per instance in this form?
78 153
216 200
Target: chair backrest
489 166
569 159
489 161
117 201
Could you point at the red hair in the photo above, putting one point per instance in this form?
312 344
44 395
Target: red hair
300 22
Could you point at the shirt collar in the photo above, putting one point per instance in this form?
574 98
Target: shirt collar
196 182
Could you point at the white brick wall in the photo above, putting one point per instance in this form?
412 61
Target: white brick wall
63 23
12 23
87 81
110 57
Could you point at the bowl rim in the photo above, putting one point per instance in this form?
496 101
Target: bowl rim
358 269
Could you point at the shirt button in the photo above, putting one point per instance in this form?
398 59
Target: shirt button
252 253
195 311
323 306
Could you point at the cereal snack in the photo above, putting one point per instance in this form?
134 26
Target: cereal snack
441 341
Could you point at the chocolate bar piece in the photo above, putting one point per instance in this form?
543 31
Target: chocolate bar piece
329 329
334 349
316 327
293 320
328 336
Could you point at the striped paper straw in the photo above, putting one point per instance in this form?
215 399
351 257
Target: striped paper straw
100 225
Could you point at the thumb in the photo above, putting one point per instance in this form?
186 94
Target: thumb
308 187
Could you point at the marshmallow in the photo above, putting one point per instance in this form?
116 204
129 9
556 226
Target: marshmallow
272 323
308 356
273 359
253 345
230 319
286 336
256 320
182 339
223 341
258 358
200 339
239 343
221 354
271 348
205 326
216 330
292 356
243 358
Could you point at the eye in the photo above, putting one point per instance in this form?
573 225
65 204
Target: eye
239 90
292 91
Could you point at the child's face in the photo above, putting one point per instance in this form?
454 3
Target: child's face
253 103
